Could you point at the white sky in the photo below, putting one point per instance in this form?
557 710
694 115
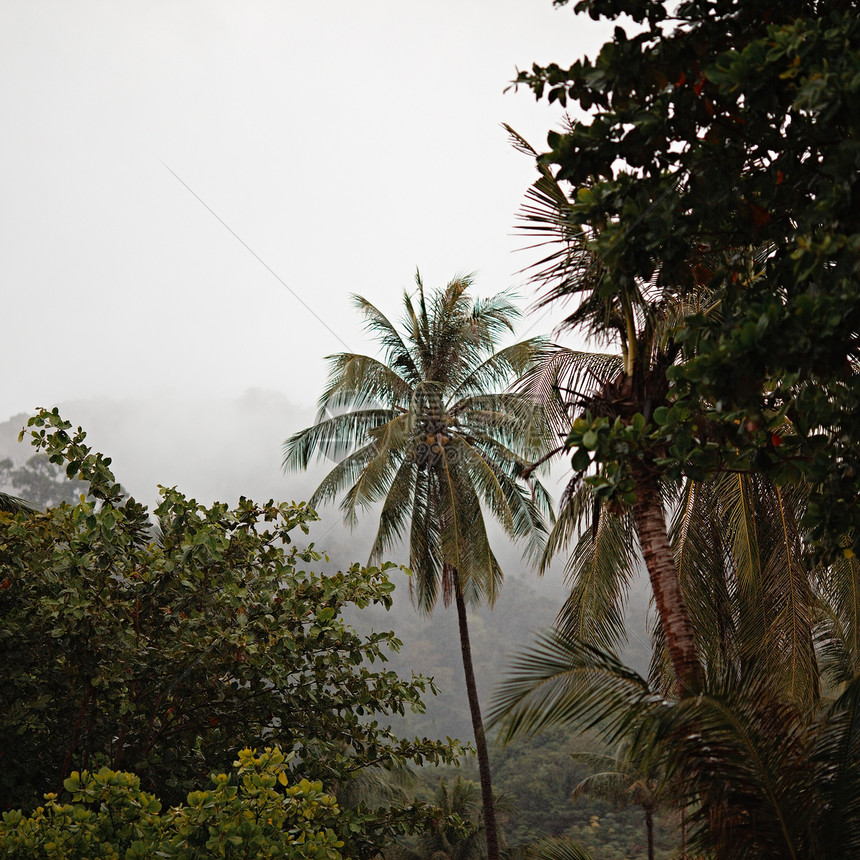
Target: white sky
345 142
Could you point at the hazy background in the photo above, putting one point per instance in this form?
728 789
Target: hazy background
219 448
344 143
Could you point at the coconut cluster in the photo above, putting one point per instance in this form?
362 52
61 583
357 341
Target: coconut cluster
431 439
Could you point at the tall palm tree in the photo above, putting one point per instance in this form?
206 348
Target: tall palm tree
751 594
430 433
643 316
637 318
741 752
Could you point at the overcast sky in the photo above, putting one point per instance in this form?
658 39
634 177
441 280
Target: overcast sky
346 143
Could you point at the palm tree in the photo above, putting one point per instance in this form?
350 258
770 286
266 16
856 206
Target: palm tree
729 576
640 319
741 754
445 842
622 780
429 433
455 831
760 775
752 595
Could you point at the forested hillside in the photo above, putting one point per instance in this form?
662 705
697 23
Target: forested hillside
534 778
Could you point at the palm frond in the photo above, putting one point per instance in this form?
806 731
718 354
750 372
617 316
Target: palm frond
737 495
493 317
14 505
357 381
561 681
519 509
371 485
838 635
559 849
599 573
463 533
706 573
395 512
397 355
510 419
425 559
837 661
792 604
496 371
738 755
333 437
343 475
835 756
575 507
417 331
564 377
545 217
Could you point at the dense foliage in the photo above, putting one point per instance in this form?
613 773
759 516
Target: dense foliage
704 210
721 153
259 813
166 649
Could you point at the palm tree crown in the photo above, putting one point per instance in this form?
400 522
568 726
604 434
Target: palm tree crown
431 434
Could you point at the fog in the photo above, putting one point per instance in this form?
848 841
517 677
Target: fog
192 189
217 449
221 449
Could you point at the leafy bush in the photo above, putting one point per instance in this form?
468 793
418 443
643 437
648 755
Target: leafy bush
164 648
258 815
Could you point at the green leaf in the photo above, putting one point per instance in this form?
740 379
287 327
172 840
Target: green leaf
581 460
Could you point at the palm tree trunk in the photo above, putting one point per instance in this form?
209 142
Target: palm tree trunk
663 573
477 726
683 833
649 831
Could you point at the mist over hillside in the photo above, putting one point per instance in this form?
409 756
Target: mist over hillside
211 449
218 450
